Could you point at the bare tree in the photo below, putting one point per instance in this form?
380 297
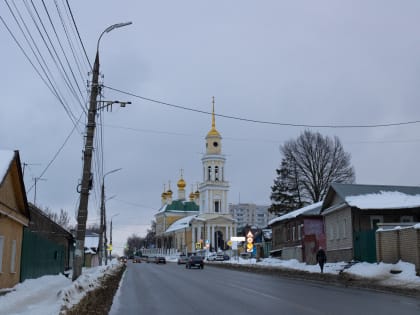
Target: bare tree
61 218
312 162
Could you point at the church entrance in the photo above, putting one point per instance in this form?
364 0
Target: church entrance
219 240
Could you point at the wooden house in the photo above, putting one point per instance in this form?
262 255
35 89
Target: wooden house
352 212
14 216
298 234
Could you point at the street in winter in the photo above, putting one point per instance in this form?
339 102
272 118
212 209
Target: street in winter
197 157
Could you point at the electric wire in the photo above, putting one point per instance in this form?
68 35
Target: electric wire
81 102
49 84
57 153
55 58
78 34
80 57
68 37
393 124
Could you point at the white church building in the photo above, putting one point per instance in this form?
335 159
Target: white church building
203 222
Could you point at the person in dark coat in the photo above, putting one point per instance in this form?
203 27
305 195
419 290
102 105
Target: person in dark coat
321 258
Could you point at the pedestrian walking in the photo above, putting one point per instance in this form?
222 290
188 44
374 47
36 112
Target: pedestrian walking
321 258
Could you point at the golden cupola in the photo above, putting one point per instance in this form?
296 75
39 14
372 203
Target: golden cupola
181 184
213 131
213 138
181 188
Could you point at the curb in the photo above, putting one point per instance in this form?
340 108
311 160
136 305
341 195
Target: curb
342 279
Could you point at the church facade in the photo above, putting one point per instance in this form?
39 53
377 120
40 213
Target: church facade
203 222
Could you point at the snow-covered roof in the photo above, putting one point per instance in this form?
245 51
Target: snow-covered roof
180 224
6 157
312 209
384 200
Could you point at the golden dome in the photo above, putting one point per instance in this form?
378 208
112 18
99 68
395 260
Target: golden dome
192 196
197 194
169 193
163 195
213 132
181 184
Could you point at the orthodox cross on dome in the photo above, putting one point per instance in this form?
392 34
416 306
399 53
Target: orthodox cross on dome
213 121
181 171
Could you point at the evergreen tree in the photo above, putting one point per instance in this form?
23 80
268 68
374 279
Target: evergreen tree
285 193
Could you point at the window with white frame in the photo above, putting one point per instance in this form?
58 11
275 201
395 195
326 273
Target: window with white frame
13 257
1 253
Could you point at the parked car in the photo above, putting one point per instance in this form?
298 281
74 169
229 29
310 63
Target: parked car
123 259
137 259
151 259
182 259
219 257
160 260
212 257
195 261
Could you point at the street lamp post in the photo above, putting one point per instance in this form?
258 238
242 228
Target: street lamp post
102 237
110 235
87 163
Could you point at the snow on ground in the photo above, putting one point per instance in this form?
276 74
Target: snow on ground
46 295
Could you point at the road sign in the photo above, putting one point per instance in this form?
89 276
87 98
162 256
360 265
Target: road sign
198 245
237 238
229 243
109 247
250 242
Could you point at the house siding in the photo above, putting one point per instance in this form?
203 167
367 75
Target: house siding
11 231
339 234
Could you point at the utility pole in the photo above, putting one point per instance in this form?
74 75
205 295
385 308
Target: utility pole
110 235
87 163
86 184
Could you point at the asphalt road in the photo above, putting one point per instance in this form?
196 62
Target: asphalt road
173 289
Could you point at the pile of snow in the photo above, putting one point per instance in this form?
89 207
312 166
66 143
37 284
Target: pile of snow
48 294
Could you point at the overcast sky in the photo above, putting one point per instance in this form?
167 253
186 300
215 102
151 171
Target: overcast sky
299 62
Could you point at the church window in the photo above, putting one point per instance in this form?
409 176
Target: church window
217 206
216 173
209 173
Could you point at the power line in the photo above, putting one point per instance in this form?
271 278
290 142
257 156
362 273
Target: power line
58 152
262 121
78 34
48 76
68 39
63 72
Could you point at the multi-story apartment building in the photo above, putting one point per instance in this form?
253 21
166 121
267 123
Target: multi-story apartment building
250 214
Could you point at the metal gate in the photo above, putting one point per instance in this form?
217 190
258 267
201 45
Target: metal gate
40 257
365 246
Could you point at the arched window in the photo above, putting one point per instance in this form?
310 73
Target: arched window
216 173
209 173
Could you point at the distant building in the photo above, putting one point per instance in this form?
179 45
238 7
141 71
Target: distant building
250 214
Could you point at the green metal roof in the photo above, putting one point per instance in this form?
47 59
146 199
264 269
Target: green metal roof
181 205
